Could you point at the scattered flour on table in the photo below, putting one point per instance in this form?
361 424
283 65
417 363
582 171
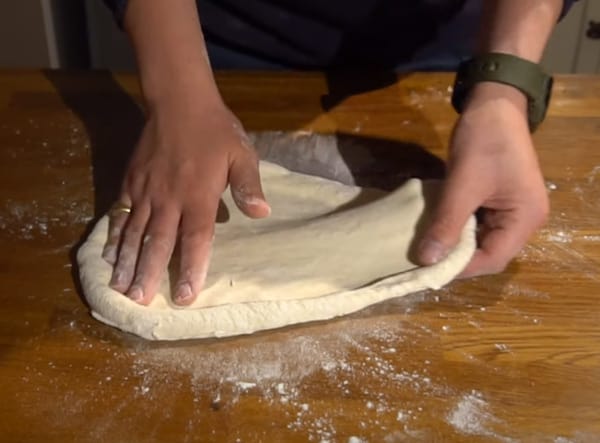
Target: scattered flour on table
430 94
354 362
560 235
556 236
43 209
280 373
471 416
35 219
559 246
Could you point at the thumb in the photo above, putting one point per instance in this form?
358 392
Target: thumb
246 190
457 203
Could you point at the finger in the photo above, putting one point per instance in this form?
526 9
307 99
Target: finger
129 249
197 232
502 235
116 223
246 189
458 201
497 248
156 251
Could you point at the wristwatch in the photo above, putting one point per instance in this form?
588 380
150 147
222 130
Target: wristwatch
526 76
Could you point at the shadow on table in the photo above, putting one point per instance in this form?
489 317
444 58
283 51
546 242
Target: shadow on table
113 122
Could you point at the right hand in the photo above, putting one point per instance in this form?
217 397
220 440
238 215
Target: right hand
186 156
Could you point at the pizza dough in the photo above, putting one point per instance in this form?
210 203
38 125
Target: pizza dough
327 250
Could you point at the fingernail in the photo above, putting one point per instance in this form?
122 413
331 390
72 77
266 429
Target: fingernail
431 251
136 293
184 292
268 208
259 202
110 254
253 201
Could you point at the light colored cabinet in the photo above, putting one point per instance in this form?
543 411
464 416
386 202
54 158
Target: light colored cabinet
25 28
570 48
588 53
43 34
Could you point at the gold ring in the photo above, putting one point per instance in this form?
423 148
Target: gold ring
120 207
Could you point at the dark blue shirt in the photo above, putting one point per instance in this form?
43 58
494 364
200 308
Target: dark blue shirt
316 34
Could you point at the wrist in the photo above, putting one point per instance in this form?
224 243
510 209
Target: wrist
484 92
496 99
186 87
504 79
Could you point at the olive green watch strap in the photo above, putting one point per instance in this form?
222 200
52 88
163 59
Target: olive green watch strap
524 75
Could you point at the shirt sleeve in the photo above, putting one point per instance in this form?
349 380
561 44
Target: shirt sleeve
566 6
118 9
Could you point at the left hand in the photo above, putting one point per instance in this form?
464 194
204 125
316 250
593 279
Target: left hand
493 165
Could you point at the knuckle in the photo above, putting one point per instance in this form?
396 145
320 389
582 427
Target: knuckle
125 193
245 158
165 218
133 184
241 192
114 233
133 234
148 270
246 144
158 243
136 225
200 234
127 258
250 153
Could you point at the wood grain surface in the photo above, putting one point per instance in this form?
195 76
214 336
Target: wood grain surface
512 357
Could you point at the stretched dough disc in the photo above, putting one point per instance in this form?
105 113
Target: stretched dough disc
327 250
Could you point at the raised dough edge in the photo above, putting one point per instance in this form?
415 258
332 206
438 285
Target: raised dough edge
246 318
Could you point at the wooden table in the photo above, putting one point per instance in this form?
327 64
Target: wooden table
513 357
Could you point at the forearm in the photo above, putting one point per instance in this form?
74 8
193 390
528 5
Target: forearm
518 27
170 50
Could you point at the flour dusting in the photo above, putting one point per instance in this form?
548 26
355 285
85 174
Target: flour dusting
281 373
364 363
472 416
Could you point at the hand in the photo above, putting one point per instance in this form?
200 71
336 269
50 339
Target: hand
186 156
492 164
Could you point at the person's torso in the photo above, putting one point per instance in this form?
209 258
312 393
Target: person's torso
331 33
